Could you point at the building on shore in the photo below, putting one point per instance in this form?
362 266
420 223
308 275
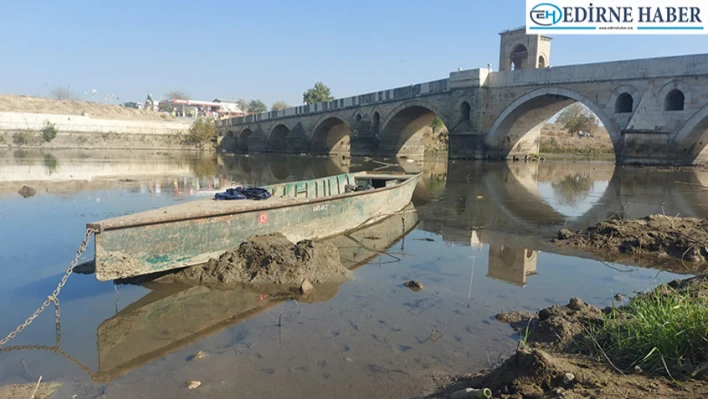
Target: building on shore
194 108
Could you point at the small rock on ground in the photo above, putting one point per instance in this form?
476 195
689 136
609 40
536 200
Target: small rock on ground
27 191
306 287
413 285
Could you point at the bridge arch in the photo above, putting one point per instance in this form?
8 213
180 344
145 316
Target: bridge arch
331 135
277 138
402 132
692 138
243 139
619 99
669 93
521 122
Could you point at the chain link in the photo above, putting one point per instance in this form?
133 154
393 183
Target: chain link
53 349
53 298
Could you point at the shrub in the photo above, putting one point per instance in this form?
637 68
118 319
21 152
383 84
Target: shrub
49 131
200 133
24 137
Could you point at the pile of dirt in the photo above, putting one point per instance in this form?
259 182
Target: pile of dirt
685 239
550 365
555 327
39 105
267 260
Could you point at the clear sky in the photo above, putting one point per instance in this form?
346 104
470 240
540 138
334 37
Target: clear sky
272 50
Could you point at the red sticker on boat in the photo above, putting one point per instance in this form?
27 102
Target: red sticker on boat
262 218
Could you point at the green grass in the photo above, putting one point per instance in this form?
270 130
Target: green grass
665 333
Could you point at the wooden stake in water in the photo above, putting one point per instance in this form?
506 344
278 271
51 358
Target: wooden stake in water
469 294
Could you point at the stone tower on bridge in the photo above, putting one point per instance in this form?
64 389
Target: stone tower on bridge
521 51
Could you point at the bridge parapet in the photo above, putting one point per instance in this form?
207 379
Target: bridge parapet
457 80
650 68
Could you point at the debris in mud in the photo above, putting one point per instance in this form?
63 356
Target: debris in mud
413 285
267 259
306 287
193 384
685 239
555 359
470 393
27 191
199 355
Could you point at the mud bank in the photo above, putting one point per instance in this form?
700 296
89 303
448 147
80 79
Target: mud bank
267 260
663 237
559 357
32 390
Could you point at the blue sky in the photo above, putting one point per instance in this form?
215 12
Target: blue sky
275 50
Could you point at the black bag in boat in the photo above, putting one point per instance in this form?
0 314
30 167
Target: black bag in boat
240 193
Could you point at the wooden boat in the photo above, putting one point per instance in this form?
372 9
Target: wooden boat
192 233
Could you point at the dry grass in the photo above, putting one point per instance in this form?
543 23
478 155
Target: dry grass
556 140
39 105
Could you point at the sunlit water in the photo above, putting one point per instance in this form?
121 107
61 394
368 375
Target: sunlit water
475 249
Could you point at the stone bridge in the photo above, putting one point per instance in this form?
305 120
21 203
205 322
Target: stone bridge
655 110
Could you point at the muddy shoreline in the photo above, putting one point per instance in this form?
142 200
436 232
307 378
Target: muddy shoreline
655 236
558 357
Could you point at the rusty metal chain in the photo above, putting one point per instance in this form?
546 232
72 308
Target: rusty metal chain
53 298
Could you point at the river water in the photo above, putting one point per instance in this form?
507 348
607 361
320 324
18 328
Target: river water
478 241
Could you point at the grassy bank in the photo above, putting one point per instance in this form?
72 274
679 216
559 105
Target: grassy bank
664 331
557 143
652 345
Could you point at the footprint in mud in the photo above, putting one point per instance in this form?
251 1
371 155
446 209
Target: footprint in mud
404 348
354 325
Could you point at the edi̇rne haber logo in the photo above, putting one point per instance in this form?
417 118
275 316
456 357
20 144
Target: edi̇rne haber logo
617 17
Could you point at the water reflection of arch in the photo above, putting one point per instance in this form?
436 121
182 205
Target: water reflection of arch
431 183
629 194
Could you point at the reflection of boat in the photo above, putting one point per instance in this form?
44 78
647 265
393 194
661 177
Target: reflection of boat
172 317
191 233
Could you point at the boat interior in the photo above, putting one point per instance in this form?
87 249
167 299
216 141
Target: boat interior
335 185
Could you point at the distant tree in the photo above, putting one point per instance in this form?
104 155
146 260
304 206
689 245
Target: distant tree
577 117
278 105
436 124
61 93
242 104
257 106
318 94
177 95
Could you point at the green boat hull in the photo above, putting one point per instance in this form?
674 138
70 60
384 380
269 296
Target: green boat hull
190 234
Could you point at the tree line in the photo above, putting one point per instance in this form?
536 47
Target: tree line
319 93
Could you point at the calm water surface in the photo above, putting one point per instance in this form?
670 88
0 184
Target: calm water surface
473 242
